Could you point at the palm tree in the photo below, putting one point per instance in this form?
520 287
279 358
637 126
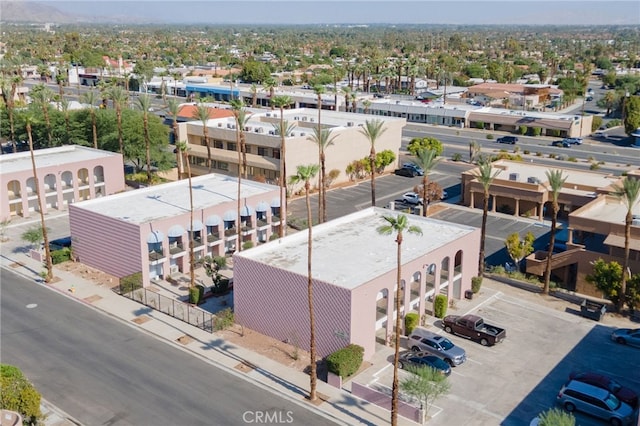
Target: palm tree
90 99
64 107
319 90
283 131
173 106
270 85
144 103
556 180
241 118
183 148
347 97
398 225
305 174
119 99
629 194
373 130
324 139
254 95
426 159
42 97
202 113
29 119
485 175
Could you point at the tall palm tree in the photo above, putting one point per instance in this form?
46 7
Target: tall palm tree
373 130
319 90
183 148
556 180
426 159
398 225
324 139
119 98
202 113
241 118
305 174
284 131
173 107
42 97
347 97
270 85
629 194
90 99
64 107
254 95
144 103
485 175
29 119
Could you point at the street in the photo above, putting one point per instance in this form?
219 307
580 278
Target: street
104 372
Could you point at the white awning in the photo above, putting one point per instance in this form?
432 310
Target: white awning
246 211
155 237
230 216
262 207
213 220
197 226
176 231
275 202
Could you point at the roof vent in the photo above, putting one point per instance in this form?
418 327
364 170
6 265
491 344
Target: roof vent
514 176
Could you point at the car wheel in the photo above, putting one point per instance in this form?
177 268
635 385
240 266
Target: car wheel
415 349
615 422
401 366
450 362
484 342
569 407
621 340
448 329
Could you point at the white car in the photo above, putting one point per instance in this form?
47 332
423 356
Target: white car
412 198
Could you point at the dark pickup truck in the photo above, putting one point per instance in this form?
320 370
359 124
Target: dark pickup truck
473 327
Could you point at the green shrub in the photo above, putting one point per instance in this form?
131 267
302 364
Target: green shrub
195 294
223 319
527 152
538 154
479 124
594 166
411 321
274 236
247 245
572 159
221 286
456 156
490 136
62 255
131 282
19 395
346 361
552 155
440 304
476 283
536 131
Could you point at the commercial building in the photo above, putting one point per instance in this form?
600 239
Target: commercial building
354 270
66 174
149 230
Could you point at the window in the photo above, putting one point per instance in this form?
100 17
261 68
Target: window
218 144
221 165
203 141
276 153
263 152
231 146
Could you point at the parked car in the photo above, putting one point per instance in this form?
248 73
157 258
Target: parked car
507 139
424 359
405 172
625 395
595 401
627 336
415 168
473 327
60 243
561 143
412 198
573 141
424 340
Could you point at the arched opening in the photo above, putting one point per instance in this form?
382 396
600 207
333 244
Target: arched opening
457 275
15 198
50 190
32 190
430 280
382 300
83 184
415 290
98 174
444 275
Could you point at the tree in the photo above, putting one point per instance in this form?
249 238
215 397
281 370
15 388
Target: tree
631 114
518 248
19 395
324 139
42 97
119 98
319 90
202 113
607 277
629 194
212 267
556 417
254 95
28 121
305 174
33 236
270 85
183 148
485 175
144 103
173 107
241 118
428 142
398 225
556 181
372 130
90 99
427 159
284 131
425 384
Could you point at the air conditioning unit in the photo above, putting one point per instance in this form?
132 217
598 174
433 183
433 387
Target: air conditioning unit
248 128
349 123
268 114
272 132
312 120
304 118
173 269
296 118
532 179
219 124
303 134
259 129
233 126
229 126
514 176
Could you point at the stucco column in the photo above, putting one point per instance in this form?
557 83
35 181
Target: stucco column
493 205
390 318
517 212
407 299
472 200
59 194
92 183
540 209
422 291
570 235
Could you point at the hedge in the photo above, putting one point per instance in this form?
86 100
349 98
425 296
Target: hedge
59 256
196 294
411 321
346 361
476 283
18 394
440 306
130 282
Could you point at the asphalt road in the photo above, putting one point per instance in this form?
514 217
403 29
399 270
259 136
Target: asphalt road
103 372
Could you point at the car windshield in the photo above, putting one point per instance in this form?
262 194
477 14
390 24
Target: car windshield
445 344
612 402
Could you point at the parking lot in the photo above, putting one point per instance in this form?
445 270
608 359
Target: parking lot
510 383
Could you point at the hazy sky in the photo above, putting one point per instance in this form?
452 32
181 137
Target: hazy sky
509 12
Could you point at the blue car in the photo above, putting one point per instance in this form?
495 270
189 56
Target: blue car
424 359
417 171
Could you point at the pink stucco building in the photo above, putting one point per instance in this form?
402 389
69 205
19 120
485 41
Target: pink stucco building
66 175
354 275
148 230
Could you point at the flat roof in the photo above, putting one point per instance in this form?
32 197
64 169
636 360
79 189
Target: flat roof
48 157
349 252
171 199
607 209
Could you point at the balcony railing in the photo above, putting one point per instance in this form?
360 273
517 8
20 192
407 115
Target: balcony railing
176 248
214 236
262 222
155 255
230 232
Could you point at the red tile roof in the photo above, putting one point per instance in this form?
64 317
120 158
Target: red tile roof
189 111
